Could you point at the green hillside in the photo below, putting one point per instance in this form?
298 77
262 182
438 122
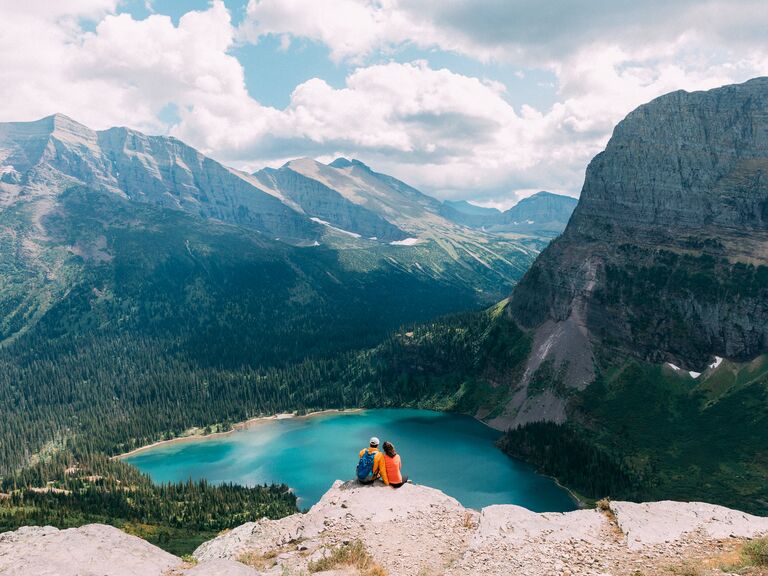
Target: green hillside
162 320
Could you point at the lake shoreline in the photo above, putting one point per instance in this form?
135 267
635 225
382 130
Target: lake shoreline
195 434
580 502
243 425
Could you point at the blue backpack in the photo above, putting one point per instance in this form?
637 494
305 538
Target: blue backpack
365 465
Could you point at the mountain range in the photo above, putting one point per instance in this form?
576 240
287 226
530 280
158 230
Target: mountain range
320 222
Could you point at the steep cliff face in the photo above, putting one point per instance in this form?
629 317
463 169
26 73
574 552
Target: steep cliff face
648 317
666 255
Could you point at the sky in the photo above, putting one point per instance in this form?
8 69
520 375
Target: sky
483 100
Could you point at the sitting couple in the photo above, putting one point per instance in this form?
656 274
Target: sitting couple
374 464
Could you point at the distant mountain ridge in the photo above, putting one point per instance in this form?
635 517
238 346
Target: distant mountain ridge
464 207
542 213
543 208
300 203
351 196
51 154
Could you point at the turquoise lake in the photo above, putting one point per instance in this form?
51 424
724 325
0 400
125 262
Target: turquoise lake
453 453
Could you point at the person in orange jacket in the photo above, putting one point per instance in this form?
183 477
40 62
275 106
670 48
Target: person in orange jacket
370 465
392 466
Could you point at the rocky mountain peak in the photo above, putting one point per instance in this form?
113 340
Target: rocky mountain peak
684 161
541 207
666 255
345 163
543 213
23 145
54 124
340 163
66 131
61 123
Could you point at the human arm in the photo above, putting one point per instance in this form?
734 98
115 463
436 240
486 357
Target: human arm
381 467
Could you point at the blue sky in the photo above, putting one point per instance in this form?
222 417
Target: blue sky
486 100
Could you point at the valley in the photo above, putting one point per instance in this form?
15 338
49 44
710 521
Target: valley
147 290
139 248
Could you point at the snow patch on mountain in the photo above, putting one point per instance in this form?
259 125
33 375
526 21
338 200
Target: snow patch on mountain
406 242
332 227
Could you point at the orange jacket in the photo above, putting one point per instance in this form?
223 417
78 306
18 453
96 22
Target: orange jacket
379 469
392 466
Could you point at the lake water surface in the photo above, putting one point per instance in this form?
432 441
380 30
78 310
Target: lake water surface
453 453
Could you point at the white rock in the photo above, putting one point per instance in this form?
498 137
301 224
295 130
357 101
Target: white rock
92 550
260 536
405 530
659 522
517 524
221 567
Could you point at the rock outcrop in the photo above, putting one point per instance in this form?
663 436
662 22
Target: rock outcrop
94 549
410 531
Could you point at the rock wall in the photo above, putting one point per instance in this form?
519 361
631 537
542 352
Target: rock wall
666 255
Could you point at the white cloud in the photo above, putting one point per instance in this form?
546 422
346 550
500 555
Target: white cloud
529 32
449 133
124 72
608 57
352 29
434 128
52 11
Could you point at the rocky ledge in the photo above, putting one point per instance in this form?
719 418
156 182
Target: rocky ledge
415 530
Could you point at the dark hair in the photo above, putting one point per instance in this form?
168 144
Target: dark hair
389 449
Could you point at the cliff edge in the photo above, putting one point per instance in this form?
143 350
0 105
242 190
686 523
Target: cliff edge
415 530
